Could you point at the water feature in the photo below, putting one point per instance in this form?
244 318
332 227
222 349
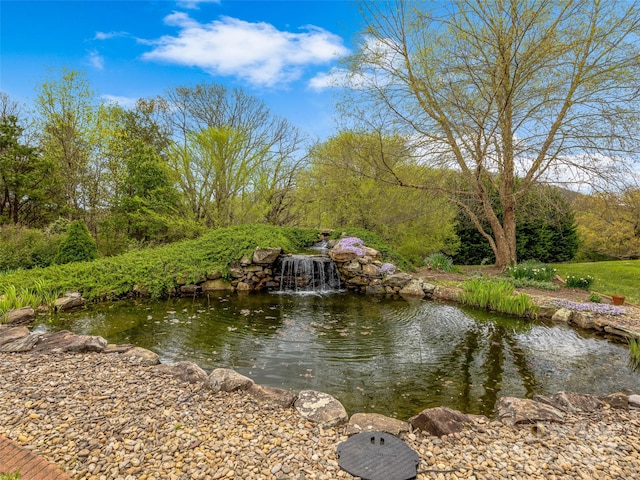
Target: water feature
374 354
308 273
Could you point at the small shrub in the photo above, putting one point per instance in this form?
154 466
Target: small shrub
77 245
532 270
583 283
595 298
439 261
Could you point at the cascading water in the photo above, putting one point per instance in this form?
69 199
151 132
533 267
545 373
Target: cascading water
308 273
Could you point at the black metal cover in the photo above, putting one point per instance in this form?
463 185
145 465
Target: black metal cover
378 456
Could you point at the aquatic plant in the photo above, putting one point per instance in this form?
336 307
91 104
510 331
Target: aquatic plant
634 354
497 296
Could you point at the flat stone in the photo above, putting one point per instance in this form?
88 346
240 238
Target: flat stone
562 315
9 334
320 408
616 400
272 395
413 288
117 348
571 402
69 301
583 320
23 344
451 294
20 315
227 380
187 372
339 255
397 280
513 411
374 422
143 356
65 341
266 256
440 421
190 289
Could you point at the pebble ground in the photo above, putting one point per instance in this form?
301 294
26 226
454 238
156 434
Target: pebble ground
101 416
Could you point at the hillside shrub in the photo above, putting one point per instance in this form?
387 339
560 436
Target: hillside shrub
25 248
77 245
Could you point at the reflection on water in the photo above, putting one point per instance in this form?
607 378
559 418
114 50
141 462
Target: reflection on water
394 357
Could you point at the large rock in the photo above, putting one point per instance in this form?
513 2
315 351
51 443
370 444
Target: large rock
562 315
513 411
266 256
320 408
9 334
413 288
22 344
374 422
440 421
634 401
68 301
65 341
227 380
187 372
571 402
272 395
398 280
584 320
20 315
142 356
617 400
216 285
340 255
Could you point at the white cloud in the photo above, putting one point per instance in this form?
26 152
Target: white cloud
191 4
109 35
339 78
125 102
255 52
96 60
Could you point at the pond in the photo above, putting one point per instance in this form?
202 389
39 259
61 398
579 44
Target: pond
374 354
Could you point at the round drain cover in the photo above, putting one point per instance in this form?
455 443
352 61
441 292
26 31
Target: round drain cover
378 456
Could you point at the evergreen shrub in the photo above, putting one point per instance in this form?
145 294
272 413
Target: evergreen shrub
77 245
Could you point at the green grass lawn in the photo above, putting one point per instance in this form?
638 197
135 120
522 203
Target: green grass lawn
622 276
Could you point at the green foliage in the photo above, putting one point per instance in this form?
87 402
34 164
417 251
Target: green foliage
581 282
595 298
10 476
531 270
496 295
525 282
12 297
26 248
619 276
77 245
157 269
373 240
439 261
634 353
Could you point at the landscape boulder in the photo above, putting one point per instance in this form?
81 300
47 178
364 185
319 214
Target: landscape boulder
187 372
227 380
440 421
65 341
272 395
68 301
397 280
142 356
266 256
513 411
9 334
374 422
20 315
571 402
320 408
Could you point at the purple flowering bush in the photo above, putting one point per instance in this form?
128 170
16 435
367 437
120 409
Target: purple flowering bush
388 269
351 244
601 308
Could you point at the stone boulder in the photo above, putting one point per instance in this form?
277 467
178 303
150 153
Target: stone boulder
68 301
65 341
440 421
584 320
562 315
413 288
142 356
187 372
216 284
227 380
9 334
617 400
20 315
266 256
634 401
374 422
117 348
272 395
320 408
340 255
20 344
571 402
372 252
513 411
397 280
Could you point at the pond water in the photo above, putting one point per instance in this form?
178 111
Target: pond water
389 356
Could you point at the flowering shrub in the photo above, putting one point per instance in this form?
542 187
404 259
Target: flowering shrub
351 244
531 271
579 282
601 308
387 269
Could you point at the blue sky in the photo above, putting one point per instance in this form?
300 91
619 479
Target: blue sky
284 52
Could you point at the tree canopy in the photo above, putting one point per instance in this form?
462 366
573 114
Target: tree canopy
508 93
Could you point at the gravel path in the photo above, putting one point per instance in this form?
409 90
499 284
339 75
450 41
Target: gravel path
101 416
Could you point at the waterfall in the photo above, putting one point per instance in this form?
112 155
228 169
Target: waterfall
308 273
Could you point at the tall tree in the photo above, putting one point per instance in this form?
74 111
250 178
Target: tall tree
234 158
540 90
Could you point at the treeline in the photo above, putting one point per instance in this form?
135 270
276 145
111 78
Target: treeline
204 157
